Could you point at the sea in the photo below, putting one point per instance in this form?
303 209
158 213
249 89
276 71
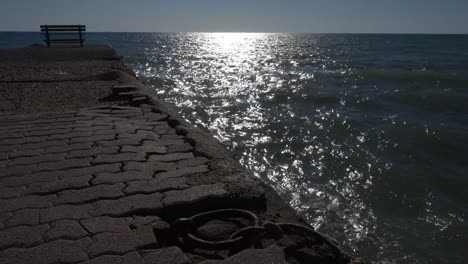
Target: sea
365 135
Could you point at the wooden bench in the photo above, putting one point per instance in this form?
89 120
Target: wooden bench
63 34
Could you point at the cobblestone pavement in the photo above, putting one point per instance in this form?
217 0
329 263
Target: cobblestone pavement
89 185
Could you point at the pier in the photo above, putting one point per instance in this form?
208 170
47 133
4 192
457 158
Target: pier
96 168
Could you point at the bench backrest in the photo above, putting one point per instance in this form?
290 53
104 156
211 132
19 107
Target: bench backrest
63 34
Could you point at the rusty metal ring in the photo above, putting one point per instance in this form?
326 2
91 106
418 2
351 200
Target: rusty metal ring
187 227
223 212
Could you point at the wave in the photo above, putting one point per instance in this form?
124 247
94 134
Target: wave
398 76
405 76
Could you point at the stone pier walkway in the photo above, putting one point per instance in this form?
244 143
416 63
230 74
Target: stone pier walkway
99 170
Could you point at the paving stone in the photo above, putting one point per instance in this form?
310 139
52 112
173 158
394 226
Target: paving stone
107 224
93 128
120 243
26 217
4 217
43 145
24 153
3 156
128 205
65 229
62 165
194 194
59 251
113 158
139 221
90 194
120 142
22 236
95 169
32 201
11 192
169 255
155 166
171 157
92 138
36 159
130 258
122 177
93 152
155 185
171 137
143 135
17 170
156 117
182 172
166 142
197 161
67 148
59 185
48 132
28 179
70 135
145 148
186 147
61 212
270 255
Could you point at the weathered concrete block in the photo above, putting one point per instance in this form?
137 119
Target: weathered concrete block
156 185
36 159
130 258
107 224
171 157
63 165
181 172
128 205
155 166
122 177
22 236
11 192
92 138
59 185
172 255
120 243
66 229
180 148
65 212
197 161
59 251
32 201
145 148
90 194
109 168
92 152
26 217
194 194
120 157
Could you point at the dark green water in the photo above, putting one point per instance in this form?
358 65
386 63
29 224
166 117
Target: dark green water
365 135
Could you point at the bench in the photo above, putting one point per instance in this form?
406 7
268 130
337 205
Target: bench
63 34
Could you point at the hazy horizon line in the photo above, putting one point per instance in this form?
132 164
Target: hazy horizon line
258 32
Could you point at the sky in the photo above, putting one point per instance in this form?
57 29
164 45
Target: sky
314 16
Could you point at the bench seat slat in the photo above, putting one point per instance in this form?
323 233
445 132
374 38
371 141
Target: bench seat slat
57 29
62 26
56 34
64 40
